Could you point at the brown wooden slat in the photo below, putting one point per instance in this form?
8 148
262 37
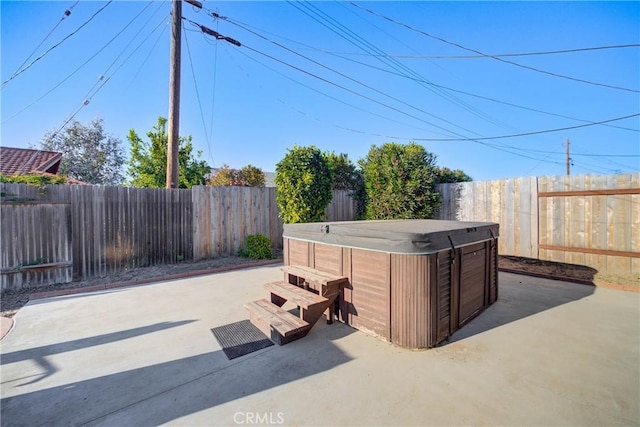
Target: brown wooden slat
281 320
592 251
604 192
295 294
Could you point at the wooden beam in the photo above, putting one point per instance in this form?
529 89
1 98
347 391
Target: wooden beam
616 192
591 251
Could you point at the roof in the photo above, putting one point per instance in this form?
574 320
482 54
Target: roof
21 161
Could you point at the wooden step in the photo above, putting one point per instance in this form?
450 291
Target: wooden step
279 325
295 294
313 276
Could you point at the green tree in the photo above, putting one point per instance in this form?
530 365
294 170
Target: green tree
343 170
447 176
400 181
248 176
148 162
347 177
89 154
303 181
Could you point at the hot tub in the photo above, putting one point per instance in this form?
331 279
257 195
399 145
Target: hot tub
411 282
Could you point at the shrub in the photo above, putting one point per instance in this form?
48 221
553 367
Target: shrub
400 182
303 181
257 246
35 179
248 176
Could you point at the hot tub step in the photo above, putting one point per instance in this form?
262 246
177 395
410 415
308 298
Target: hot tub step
324 283
295 294
279 325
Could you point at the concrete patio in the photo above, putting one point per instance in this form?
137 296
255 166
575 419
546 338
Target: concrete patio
547 353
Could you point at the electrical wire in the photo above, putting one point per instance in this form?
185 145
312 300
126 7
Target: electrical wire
84 63
66 13
334 99
213 92
462 92
353 80
353 38
477 140
146 58
491 56
17 73
493 146
95 88
195 84
536 132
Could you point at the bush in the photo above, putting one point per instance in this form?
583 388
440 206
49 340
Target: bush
35 179
257 246
303 181
248 176
400 181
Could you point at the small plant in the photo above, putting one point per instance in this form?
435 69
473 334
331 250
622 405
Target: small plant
256 246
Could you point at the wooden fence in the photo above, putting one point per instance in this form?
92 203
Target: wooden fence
588 220
582 219
223 216
36 244
117 228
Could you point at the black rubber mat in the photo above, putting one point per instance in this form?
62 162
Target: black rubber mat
240 338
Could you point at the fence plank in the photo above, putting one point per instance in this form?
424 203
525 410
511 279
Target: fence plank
545 217
36 244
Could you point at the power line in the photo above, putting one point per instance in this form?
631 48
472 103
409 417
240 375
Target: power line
486 98
146 58
492 56
348 77
493 146
341 101
195 84
536 132
85 62
353 38
446 88
66 13
420 79
89 96
17 73
477 140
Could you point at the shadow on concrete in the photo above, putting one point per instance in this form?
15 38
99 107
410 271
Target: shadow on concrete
47 350
163 392
39 354
521 296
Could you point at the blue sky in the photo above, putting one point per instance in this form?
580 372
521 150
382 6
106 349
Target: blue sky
367 80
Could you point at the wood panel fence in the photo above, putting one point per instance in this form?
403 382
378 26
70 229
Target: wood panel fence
116 228
36 244
588 220
581 219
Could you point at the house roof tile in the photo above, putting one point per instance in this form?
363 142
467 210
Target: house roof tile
21 160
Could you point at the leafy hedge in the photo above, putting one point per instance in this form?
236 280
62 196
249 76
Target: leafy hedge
304 181
35 179
400 181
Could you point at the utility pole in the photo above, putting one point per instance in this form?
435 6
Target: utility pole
568 159
174 95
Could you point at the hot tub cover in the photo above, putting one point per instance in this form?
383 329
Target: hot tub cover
412 236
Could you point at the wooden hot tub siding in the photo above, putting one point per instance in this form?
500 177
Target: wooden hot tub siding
413 301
